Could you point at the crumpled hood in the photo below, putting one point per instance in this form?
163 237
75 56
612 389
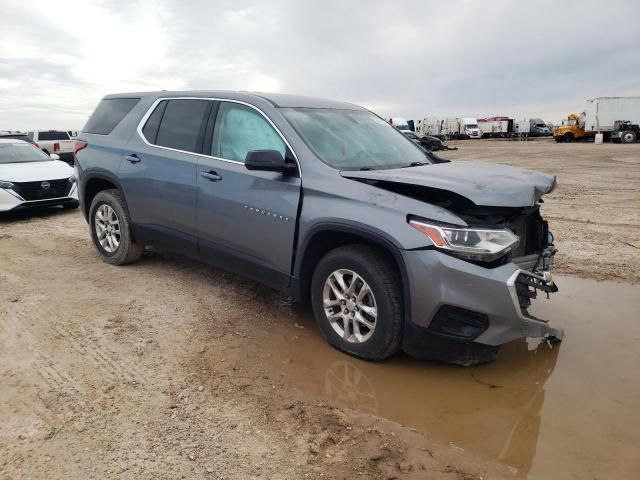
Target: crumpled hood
34 171
484 184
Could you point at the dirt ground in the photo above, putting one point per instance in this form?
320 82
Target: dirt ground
167 368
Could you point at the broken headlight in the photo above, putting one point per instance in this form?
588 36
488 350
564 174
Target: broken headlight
469 243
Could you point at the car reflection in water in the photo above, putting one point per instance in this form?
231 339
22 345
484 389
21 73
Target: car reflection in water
492 410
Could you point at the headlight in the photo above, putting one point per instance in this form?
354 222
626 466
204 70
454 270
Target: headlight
6 184
469 243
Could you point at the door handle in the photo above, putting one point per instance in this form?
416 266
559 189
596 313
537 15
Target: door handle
132 158
211 176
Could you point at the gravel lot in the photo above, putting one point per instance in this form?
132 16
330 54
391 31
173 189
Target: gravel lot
158 369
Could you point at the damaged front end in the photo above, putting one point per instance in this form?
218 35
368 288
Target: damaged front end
473 283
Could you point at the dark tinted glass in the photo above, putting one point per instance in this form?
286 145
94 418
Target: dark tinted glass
52 135
182 124
150 129
18 136
108 114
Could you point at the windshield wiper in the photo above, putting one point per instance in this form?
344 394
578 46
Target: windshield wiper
363 169
414 164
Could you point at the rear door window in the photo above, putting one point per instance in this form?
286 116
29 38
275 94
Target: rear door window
240 129
182 125
52 135
108 114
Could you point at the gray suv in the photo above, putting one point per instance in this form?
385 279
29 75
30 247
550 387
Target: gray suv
394 247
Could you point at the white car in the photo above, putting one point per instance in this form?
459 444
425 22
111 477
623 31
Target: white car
31 178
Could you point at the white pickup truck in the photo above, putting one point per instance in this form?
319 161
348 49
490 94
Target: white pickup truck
54 141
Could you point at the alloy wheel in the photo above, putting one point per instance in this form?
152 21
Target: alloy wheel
350 306
107 226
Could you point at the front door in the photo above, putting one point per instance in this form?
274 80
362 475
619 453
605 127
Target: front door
246 219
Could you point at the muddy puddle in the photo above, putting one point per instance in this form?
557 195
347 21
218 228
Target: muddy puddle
571 411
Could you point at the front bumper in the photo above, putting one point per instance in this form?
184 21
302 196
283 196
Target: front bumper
10 200
438 280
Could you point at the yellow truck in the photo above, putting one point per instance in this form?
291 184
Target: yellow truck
571 130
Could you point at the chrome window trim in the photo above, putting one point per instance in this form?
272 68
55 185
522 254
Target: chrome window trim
146 116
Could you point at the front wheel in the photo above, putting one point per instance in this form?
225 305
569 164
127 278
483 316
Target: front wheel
568 137
111 230
628 137
357 301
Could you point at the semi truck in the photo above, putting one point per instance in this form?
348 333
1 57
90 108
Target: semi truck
538 128
469 127
401 124
600 116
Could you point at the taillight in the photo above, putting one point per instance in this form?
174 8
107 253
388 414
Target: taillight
56 147
79 145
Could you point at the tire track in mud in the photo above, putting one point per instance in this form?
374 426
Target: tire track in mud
83 342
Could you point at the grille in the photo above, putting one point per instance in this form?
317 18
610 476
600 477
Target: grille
35 190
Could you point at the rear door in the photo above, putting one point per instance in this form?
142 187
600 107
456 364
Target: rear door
158 173
246 219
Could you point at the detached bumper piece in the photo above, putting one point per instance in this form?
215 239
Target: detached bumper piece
526 286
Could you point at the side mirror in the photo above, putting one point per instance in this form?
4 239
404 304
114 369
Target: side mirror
268 160
54 156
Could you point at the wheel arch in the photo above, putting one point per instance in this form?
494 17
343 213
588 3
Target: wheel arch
94 183
325 237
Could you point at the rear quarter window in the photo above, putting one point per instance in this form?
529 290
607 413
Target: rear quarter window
109 114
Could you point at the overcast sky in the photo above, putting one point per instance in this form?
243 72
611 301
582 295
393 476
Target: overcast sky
403 58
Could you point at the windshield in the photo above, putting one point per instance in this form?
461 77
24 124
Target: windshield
472 125
353 140
21 152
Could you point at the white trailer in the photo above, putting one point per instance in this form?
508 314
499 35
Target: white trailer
450 128
430 126
496 127
602 112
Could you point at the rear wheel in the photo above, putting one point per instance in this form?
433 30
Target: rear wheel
628 137
568 137
111 231
357 301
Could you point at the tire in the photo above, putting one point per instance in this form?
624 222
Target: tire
628 137
70 205
126 250
568 137
559 139
380 274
